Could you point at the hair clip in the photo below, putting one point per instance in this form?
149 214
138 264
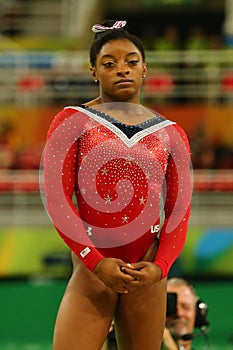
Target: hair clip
98 28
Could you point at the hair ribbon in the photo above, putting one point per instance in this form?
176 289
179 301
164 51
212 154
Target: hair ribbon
98 28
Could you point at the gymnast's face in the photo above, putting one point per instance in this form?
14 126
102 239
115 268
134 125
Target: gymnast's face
186 310
119 70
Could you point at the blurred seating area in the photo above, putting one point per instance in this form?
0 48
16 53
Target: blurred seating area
33 81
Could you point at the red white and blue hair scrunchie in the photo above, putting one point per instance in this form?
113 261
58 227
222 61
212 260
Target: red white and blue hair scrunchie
98 28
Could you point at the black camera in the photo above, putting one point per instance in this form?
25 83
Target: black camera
171 304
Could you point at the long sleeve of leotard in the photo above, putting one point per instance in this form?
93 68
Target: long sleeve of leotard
177 201
60 161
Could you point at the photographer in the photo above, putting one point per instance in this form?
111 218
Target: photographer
185 312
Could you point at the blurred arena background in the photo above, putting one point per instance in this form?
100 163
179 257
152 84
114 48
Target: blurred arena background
43 67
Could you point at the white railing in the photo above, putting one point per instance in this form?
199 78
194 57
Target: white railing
21 202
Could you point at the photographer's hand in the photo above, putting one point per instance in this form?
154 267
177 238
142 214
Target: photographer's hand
168 341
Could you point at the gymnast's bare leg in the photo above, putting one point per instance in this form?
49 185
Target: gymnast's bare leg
140 315
85 313
88 307
140 318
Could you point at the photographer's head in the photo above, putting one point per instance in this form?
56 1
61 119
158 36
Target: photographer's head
184 321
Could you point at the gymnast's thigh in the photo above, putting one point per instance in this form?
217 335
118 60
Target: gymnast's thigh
85 313
140 318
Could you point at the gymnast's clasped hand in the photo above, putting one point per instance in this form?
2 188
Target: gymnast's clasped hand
124 278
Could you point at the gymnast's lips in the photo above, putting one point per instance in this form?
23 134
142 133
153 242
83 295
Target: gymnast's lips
124 81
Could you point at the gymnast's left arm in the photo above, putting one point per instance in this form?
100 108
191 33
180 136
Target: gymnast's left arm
177 202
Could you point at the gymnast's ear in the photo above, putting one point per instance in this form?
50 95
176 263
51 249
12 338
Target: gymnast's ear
94 74
144 70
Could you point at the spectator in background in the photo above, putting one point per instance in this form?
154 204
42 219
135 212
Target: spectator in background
216 42
169 40
149 35
189 312
197 39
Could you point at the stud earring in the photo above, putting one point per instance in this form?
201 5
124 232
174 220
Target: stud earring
144 75
96 81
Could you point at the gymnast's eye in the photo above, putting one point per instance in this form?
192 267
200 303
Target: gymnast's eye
133 62
108 64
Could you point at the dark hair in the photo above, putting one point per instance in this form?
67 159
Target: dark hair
102 38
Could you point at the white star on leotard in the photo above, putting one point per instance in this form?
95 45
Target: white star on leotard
104 171
108 199
125 218
142 200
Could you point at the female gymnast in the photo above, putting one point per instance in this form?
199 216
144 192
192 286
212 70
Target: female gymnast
123 162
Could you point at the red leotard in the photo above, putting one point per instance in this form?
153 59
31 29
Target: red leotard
119 175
